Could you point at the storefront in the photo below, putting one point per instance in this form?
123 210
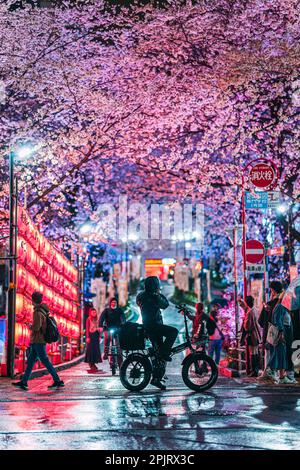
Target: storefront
159 267
41 267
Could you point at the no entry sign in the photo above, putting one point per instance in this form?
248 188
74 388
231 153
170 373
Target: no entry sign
254 251
263 175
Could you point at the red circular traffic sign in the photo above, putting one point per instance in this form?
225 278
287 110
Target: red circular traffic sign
263 175
254 251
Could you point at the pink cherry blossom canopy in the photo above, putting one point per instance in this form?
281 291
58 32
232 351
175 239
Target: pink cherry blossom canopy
162 103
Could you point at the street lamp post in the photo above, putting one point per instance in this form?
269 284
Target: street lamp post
290 242
22 152
11 301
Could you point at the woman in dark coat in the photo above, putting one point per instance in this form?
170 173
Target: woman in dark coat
280 360
264 319
93 353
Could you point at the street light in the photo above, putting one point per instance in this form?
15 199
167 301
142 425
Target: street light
282 208
86 228
21 152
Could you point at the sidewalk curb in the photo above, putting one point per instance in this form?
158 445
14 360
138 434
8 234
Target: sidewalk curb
65 365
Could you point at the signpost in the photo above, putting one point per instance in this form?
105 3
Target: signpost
263 174
255 268
262 200
276 251
255 251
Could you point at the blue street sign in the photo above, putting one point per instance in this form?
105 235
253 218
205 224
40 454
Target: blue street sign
262 200
259 201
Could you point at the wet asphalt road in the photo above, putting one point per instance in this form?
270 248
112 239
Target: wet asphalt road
95 412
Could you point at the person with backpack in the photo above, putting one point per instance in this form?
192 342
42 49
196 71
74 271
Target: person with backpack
216 337
43 329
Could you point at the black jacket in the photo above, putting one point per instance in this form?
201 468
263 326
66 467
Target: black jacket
112 318
150 303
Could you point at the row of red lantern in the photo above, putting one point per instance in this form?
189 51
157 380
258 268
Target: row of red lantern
66 328
28 258
27 284
29 232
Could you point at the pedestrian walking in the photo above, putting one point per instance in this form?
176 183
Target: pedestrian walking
216 336
38 344
251 334
265 317
93 353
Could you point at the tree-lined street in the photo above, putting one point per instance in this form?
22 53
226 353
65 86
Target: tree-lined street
96 412
149 156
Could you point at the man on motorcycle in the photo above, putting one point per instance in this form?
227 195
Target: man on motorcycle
111 318
150 302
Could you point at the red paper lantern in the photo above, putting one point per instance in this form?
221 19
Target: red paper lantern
58 262
48 295
22 279
33 285
46 273
58 282
74 311
68 308
32 261
20 308
21 250
46 250
23 222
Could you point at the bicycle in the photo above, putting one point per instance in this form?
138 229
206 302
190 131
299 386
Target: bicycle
113 353
199 371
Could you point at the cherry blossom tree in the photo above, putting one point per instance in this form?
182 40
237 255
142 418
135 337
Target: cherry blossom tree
159 100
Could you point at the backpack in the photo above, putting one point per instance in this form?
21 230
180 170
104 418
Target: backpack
51 332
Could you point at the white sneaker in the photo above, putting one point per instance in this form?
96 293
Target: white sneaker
273 376
292 380
286 381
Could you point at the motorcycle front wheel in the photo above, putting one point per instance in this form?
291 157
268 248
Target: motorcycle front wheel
199 372
135 372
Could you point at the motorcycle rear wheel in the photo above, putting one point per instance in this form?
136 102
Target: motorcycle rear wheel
135 372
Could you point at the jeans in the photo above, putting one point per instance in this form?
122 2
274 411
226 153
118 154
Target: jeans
215 348
107 342
158 332
38 351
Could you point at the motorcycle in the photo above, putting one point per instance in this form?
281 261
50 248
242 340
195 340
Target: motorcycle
199 371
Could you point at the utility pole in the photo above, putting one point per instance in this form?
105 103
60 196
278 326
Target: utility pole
11 307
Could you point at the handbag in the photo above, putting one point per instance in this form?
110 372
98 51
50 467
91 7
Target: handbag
272 336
